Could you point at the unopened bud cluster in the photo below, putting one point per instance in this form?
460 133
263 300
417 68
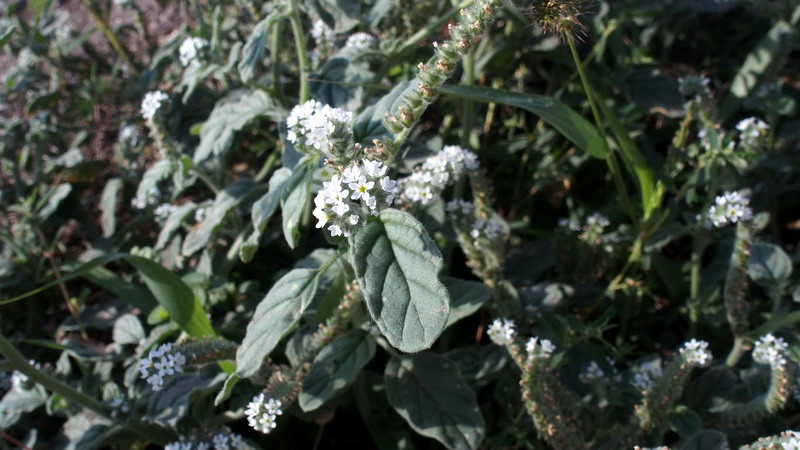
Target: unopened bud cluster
471 24
346 201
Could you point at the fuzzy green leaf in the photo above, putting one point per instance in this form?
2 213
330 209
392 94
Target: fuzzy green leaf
108 206
336 367
558 115
277 313
428 391
226 201
230 115
769 265
397 265
466 297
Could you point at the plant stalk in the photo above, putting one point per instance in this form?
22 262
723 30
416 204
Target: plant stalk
302 52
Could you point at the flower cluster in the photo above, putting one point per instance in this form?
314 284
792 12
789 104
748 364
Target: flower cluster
539 348
190 50
646 378
361 40
696 353
201 211
262 413
769 350
591 231
752 131
731 207
502 331
163 211
792 440
318 129
150 199
347 200
322 33
436 173
218 441
152 102
160 363
592 373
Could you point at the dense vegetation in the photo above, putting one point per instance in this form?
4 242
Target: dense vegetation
400 224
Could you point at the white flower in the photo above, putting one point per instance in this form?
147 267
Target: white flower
374 168
351 173
436 172
646 378
189 50
151 103
769 350
159 363
694 85
696 352
163 211
361 40
314 127
335 230
388 185
261 413
752 131
731 207
592 373
361 188
792 440
502 331
322 33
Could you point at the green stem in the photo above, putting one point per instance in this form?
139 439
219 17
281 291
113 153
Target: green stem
18 362
698 246
611 159
275 44
268 165
302 52
112 39
738 350
467 105
206 179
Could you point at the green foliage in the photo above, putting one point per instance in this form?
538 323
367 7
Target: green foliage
397 265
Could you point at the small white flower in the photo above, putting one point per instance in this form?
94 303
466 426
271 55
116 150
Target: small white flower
151 103
769 349
731 207
502 331
353 219
361 189
159 363
374 168
189 50
696 352
361 40
335 230
262 413
592 373
351 173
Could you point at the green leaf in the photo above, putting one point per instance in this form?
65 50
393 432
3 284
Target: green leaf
230 115
368 125
226 201
466 297
762 60
173 223
168 289
263 209
336 367
768 265
274 317
558 115
339 82
428 391
254 48
340 15
108 206
172 404
128 330
152 176
653 91
124 290
397 265
635 161
53 198
295 201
